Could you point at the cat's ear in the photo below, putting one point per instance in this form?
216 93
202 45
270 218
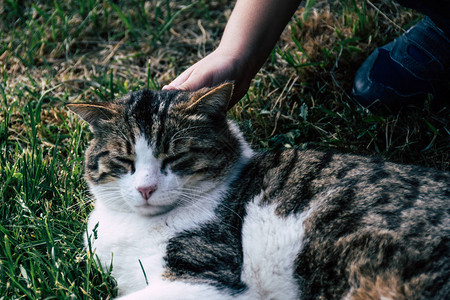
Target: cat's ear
93 113
214 101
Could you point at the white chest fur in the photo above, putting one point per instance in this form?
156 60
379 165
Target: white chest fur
129 241
135 244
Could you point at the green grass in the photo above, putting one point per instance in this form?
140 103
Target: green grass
55 52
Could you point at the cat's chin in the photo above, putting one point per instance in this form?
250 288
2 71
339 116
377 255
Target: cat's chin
152 210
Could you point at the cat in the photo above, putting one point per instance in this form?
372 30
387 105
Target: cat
185 209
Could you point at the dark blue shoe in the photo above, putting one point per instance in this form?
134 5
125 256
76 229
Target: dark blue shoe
405 71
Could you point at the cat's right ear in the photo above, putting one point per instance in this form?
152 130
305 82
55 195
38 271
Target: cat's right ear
93 113
214 102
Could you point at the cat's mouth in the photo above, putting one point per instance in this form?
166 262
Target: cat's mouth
150 209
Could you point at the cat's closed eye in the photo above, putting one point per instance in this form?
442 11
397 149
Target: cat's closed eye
118 165
169 159
127 162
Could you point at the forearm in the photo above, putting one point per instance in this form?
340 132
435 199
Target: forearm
253 29
251 33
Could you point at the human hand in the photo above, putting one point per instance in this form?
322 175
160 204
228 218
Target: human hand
251 32
212 70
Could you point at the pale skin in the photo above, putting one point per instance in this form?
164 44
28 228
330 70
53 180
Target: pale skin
249 36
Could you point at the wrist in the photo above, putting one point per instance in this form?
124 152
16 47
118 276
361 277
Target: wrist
240 61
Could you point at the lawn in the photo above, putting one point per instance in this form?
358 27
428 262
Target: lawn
56 52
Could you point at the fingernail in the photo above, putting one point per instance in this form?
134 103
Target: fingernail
168 87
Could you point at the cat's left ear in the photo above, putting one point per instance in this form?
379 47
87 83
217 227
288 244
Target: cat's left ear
93 113
215 101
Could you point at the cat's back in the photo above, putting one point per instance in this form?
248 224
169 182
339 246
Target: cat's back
364 227
296 179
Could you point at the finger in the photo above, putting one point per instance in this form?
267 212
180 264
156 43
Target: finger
187 85
182 78
168 88
192 83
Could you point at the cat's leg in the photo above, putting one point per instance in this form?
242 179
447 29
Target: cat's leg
177 290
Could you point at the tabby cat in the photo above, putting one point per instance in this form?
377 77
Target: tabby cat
184 209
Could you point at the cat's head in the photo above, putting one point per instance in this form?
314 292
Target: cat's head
156 150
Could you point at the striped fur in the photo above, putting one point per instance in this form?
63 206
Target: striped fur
223 222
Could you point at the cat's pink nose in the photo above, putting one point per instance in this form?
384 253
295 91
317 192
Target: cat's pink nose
146 191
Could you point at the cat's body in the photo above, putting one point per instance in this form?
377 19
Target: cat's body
222 222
